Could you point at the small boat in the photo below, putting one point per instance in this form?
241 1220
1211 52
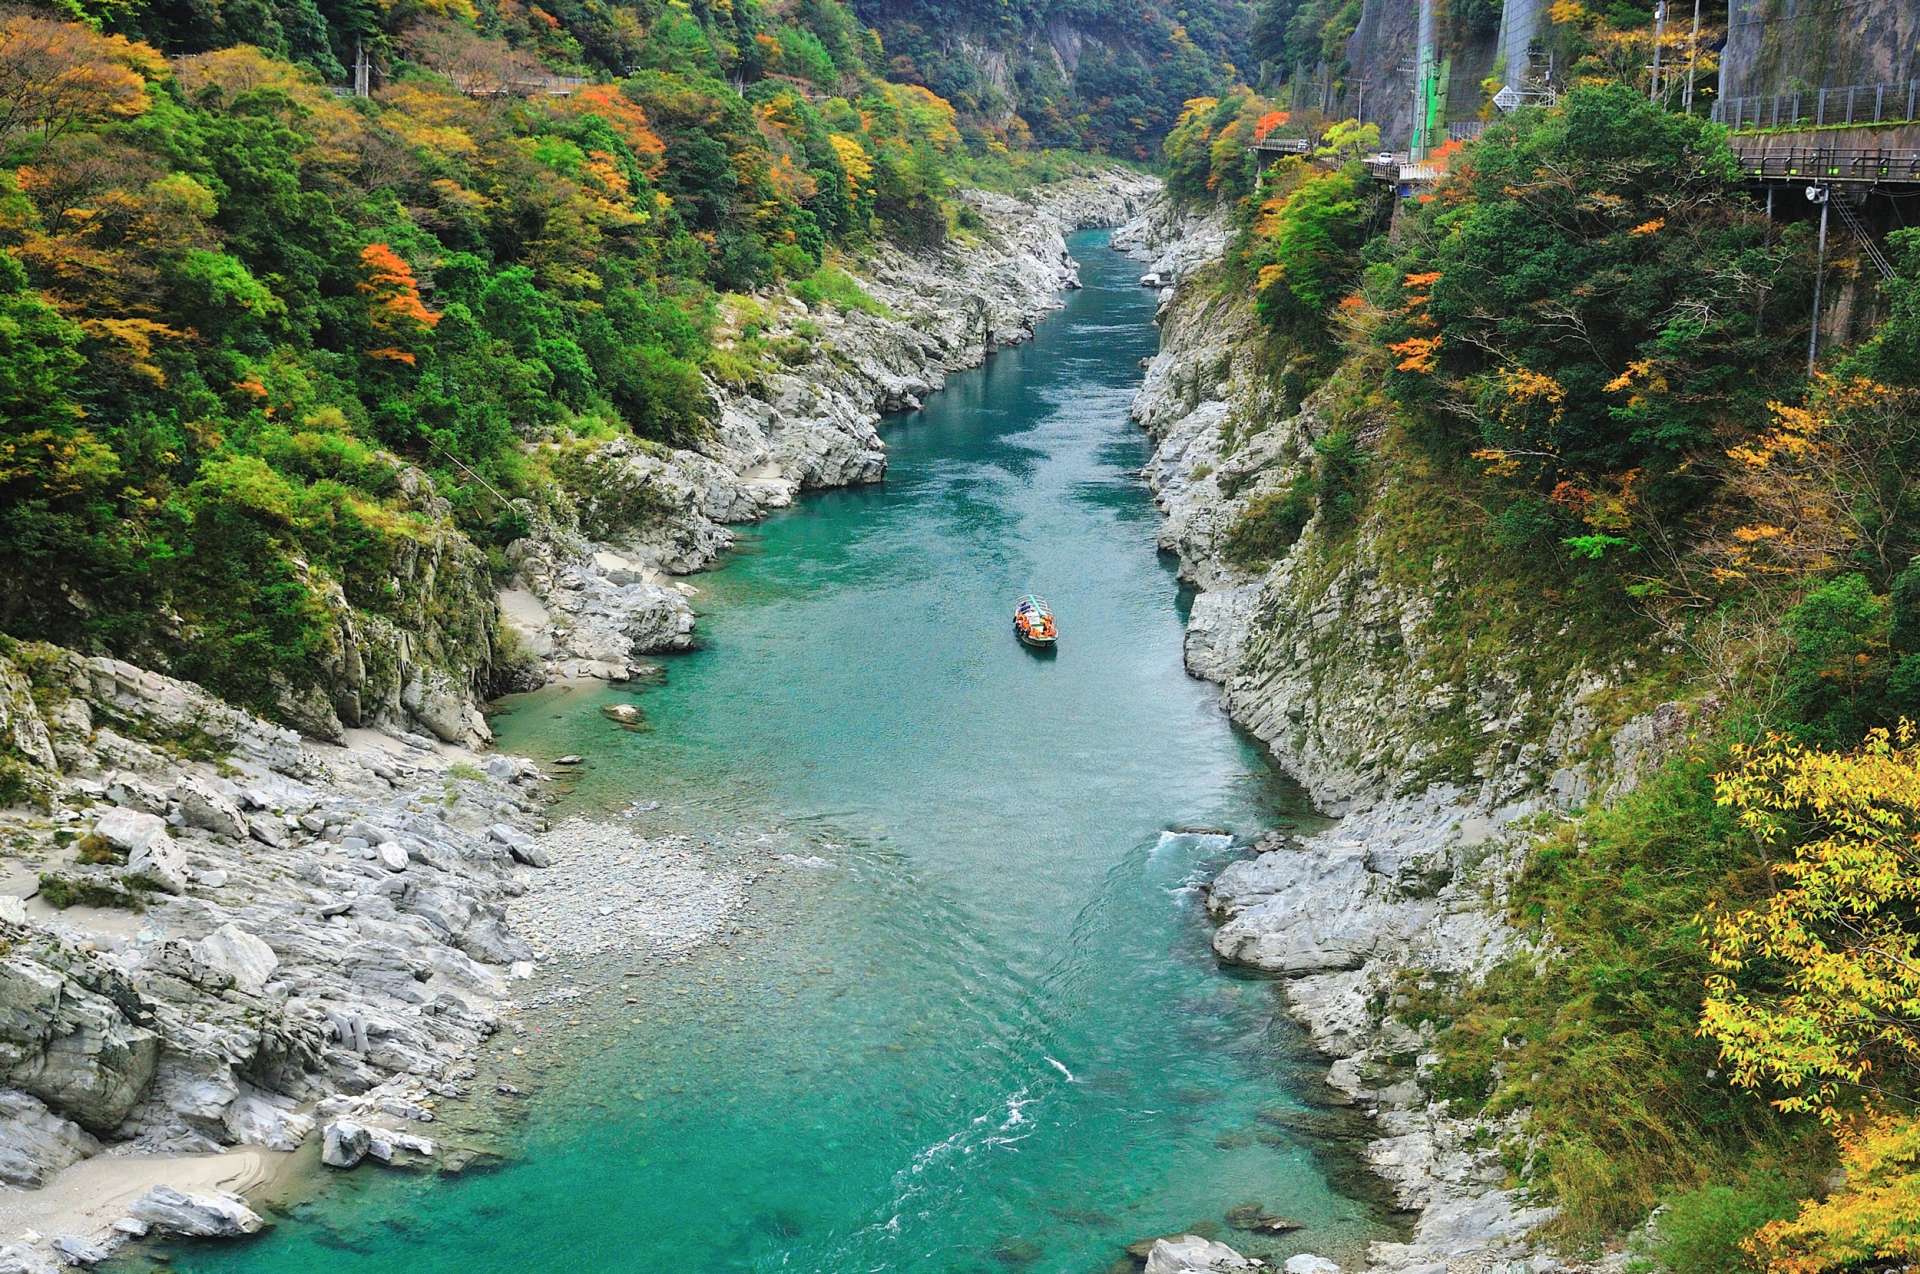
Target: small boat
1033 623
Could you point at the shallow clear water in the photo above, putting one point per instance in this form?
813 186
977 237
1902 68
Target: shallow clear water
989 1036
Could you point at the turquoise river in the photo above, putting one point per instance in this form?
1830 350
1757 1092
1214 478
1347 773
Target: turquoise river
989 1035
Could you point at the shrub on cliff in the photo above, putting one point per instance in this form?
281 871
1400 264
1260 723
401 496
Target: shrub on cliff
1589 303
1303 246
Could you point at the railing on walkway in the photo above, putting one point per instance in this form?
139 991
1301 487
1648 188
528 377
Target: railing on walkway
1850 104
1386 166
1283 145
1818 165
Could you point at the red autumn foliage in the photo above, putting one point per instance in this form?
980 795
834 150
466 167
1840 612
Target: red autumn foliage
393 298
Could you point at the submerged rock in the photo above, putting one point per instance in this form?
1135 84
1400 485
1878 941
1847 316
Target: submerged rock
1256 1219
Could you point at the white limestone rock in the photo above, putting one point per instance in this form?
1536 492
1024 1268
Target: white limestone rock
75 1250
35 1143
239 955
258 1119
203 806
521 845
70 1046
390 1146
1192 1254
17 1259
163 863
130 831
344 1143
213 1215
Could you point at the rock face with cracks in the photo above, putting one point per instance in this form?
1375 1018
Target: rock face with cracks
252 922
1323 656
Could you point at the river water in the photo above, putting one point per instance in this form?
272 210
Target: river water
988 1035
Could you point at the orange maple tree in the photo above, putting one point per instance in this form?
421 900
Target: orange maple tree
625 117
393 296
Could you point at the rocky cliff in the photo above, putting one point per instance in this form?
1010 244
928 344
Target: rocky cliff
1348 657
209 923
1777 46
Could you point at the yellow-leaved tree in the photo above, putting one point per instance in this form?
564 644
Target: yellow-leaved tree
1873 1216
1816 991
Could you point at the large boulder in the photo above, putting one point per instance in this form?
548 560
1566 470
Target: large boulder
390 1146
203 807
1295 911
1192 1254
344 1143
522 846
22 731
21 1260
163 864
71 1046
239 955
75 1250
130 831
489 941
438 703
196 1216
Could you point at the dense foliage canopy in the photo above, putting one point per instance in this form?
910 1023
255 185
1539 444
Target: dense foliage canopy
237 310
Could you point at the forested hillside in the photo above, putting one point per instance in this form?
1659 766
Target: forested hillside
268 343
1578 367
1103 75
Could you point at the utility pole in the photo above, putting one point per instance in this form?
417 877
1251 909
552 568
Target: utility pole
1693 50
1659 29
1823 196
